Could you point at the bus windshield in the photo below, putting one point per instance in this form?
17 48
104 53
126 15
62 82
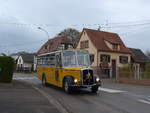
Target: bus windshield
76 58
83 58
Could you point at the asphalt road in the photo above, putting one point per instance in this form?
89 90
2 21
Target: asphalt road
21 97
111 98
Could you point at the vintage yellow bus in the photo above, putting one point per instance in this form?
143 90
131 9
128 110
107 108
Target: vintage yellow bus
68 69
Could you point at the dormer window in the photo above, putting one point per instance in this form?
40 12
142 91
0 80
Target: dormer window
115 46
112 46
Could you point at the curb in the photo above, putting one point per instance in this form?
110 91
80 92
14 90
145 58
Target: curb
52 100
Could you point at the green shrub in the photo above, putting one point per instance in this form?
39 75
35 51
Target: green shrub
6 68
147 71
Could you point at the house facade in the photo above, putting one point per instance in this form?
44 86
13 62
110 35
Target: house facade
25 62
107 51
138 61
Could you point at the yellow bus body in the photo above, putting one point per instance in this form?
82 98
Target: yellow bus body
55 75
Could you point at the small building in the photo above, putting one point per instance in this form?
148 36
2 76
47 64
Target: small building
25 62
138 61
15 57
107 51
54 44
3 54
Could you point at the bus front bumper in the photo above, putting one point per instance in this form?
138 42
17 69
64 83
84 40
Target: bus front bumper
86 86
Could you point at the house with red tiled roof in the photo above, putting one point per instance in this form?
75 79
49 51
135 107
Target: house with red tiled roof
107 51
139 61
54 44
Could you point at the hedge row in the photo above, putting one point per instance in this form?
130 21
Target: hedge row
6 68
147 71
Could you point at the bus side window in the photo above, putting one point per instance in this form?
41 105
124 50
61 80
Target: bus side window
58 60
39 61
52 59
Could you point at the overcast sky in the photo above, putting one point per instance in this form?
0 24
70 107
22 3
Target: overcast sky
19 20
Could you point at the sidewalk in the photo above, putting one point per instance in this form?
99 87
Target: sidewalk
131 88
19 97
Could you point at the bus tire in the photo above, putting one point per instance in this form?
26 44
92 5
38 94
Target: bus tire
44 80
66 85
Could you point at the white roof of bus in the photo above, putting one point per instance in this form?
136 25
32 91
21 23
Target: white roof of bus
62 51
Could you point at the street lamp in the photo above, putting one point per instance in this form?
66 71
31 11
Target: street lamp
44 31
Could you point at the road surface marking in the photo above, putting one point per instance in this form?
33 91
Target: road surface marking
144 101
111 90
24 78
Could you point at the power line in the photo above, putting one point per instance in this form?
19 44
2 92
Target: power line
50 25
23 44
130 25
114 25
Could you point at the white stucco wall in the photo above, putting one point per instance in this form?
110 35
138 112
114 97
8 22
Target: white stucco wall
91 49
22 64
20 60
114 56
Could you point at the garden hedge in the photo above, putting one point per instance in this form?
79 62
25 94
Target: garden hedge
147 71
6 68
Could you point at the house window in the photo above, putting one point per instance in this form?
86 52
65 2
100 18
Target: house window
84 44
81 44
123 59
20 61
87 44
92 58
105 58
115 46
46 47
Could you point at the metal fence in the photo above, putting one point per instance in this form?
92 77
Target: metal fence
135 72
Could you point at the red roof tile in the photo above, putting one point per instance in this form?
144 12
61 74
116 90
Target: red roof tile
52 44
97 37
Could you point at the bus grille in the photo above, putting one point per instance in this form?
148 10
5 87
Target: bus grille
88 77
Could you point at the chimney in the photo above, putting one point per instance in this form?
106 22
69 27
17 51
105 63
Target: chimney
99 28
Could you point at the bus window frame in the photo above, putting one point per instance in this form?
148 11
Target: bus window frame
41 62
62 57
61 63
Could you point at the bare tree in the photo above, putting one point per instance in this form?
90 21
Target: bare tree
71 34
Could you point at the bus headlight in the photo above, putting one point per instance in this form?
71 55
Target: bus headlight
75 80
97 79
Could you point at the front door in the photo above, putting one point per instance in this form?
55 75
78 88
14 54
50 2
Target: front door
58 68
114 69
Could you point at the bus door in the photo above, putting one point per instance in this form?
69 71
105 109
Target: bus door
58 68
51 69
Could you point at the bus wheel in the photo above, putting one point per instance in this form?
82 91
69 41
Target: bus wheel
66 86
44 81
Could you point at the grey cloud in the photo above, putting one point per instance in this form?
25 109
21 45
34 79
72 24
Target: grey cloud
65 13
